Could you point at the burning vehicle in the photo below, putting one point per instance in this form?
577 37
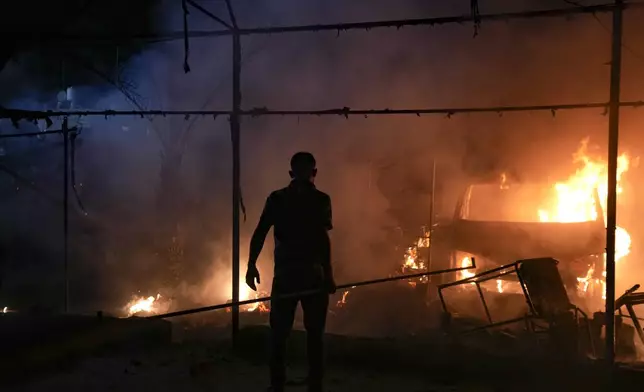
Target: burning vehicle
499 222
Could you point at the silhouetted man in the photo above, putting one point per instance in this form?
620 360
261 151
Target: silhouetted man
301 217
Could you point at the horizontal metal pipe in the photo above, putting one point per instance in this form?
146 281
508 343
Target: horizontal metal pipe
308 292
18 114
30 134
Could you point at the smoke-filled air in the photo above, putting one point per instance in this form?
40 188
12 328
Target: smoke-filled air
150 201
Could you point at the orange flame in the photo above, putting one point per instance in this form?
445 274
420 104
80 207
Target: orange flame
143 305
575 202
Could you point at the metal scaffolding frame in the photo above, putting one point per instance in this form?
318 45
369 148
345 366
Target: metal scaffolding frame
616 7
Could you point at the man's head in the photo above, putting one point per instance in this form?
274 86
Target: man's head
303 166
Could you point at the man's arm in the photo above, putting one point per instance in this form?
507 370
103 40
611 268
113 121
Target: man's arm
259 235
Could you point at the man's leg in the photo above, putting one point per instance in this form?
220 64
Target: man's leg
315 309
281 319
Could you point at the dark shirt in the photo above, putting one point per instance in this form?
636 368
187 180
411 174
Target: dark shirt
301 216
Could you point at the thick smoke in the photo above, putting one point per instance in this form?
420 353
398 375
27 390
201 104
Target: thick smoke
377 169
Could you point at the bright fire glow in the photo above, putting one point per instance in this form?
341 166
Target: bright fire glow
412 262
343 300
245 293
464 274
576 202
143 305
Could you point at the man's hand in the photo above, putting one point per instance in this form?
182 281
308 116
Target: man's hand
252 274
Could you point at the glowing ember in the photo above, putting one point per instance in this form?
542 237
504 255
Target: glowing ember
412 262
575 202
343 300
143 305
4 310
257 306
411 259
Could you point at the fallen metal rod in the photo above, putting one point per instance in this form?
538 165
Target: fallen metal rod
308 292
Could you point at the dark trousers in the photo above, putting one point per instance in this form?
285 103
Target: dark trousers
282 316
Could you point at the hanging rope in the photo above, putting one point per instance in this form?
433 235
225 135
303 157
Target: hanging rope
186 41
72 142
476 16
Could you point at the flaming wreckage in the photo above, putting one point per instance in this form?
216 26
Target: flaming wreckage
540 259
540 262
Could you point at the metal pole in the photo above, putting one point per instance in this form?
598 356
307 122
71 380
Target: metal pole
309 292
235 133
431 218
611 204
66 209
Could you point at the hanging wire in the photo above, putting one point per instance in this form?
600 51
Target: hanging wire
186 40
72 139
30 115
628 48
476 16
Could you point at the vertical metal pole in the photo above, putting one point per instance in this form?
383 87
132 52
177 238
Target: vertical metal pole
65 209
235 131
611 204
431 218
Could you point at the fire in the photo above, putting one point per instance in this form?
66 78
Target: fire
5 309
575 201
464 274
143 305
245 293
412 261
343 300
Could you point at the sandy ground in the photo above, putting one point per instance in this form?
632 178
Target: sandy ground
201 367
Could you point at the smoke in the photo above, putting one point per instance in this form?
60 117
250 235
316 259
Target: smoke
377 169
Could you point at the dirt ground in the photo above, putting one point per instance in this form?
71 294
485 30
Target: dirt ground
204 367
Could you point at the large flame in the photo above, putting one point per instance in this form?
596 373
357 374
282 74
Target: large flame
575 202
138 305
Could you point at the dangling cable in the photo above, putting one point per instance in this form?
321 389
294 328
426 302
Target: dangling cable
476 16
186 41
72 140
